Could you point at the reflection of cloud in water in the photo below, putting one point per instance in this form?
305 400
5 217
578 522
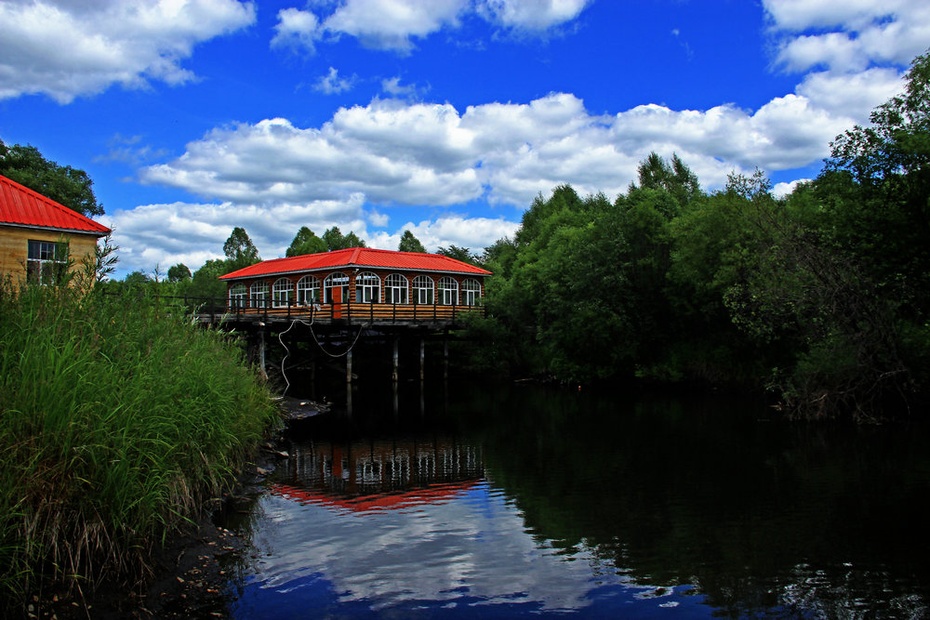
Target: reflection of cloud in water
473 547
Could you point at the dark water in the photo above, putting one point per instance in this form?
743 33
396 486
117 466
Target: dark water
503 502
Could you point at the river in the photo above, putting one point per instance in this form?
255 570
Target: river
510 501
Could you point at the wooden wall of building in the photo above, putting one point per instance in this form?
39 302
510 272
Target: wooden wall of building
14 248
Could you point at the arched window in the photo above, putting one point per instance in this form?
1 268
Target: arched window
448 291
281 293
258 295
308 290
238 296
423 290
395 289
367 288
471 292
333 281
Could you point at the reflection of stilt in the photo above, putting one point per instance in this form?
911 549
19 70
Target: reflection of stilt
422 359
422 398
445 357
396 359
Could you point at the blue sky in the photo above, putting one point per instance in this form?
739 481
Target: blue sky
444 117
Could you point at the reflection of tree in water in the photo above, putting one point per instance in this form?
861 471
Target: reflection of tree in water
758 515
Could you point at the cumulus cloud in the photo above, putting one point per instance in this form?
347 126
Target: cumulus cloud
166 234
431 154
850 36
396 24
71 49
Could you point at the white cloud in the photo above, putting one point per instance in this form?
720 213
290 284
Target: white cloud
394 152
396 24
167 234
72 49
849 36
297 29
531 15
390 24
332 84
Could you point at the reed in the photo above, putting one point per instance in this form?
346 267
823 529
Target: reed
120 420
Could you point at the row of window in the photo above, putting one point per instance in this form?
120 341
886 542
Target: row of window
368 289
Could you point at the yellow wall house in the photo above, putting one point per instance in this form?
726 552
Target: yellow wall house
40 238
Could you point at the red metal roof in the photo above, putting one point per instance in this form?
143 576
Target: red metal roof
358 258
21 206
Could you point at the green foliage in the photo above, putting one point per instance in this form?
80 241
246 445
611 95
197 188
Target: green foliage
120 420
239 249
179 273
335 240
409 243
69 186
305 242
459 253
816 297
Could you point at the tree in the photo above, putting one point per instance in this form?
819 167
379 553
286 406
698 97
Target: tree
409 243
205 283
459 253
335 240
179 273
675 178
69 186
305 242
239 250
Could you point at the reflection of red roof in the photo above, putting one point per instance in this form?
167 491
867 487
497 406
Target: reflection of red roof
21 206
358 258
434 493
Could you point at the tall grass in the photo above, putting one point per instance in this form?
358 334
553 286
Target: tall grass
120 418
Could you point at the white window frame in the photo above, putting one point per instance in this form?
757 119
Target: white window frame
424 290
367 288
46 261
281 293
471 292
238 296
258 294
448 291
308 290
395 289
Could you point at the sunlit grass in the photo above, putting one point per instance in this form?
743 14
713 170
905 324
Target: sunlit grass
120 419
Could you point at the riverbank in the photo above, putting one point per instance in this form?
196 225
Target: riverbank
191 572
122 422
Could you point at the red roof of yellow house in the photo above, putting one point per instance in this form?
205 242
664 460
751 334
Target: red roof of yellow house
358 258
21 206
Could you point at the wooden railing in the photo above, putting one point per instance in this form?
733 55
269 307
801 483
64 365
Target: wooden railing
352 312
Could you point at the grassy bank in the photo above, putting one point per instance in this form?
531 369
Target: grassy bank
119 420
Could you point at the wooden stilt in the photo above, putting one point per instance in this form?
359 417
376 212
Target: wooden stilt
395 375
349 367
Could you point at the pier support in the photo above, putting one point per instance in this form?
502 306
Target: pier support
395 375
349 368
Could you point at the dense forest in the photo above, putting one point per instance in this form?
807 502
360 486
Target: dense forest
822 296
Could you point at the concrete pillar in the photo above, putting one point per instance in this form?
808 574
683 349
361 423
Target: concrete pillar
395 374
